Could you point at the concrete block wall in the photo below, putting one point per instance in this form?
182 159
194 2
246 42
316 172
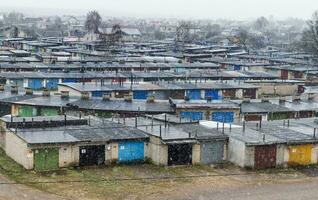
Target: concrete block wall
68 156
196 158
17 149
111 152
157 151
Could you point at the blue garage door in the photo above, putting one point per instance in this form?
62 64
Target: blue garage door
193 94
130 151
226 117
35 84
51 84
237 67
69 80
214 94
140 95
194 116
97 94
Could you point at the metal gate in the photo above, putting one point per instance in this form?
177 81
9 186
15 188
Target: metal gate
193 94
211 152
51 84
97 94
141 95
35 84
299 155
92 155
180 154
265 157
46 159
226 117
213 94
193 116
130 151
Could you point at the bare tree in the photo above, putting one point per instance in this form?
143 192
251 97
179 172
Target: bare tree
93 21
310 35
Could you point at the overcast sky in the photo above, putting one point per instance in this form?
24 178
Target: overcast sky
212 9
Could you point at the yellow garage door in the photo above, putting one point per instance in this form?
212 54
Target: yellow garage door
299 155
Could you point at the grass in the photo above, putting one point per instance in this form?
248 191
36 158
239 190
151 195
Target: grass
102 182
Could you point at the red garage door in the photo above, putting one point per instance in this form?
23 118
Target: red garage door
265 157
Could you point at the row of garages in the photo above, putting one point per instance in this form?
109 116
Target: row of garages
38 83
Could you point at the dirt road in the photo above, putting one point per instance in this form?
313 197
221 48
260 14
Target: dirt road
19 192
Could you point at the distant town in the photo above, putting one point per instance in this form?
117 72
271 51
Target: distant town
87 92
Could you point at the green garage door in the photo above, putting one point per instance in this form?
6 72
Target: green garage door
49 111
46 159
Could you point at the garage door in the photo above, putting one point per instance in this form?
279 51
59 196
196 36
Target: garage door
180 154
141 95
299 155
193 94
46 159
211 152
213 94
92 155
194 116
265 157
35 84
51 84
226 117
130 151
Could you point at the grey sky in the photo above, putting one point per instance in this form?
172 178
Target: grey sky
229 9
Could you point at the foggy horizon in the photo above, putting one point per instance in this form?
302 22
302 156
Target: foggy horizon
200 9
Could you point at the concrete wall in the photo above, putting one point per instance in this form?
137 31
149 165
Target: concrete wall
156 151
111 153
236 152
17 149
68 156
281 89
281 155
249 160
196 157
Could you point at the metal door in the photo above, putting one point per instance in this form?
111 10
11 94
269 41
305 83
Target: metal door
46 159
213 94
35 84
265 157
211 152
226 117
193 94
299 155
141 95
194 116
51 84
130 151
92 155
180 154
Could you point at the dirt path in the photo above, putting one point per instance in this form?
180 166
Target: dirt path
19 192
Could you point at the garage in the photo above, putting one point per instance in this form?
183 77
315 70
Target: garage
46 159
193 94
253 118
226 117
130 151
213 94
140 95
265 157
299 155
193 116
35 84
180 154
51 84
92 155
211 152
